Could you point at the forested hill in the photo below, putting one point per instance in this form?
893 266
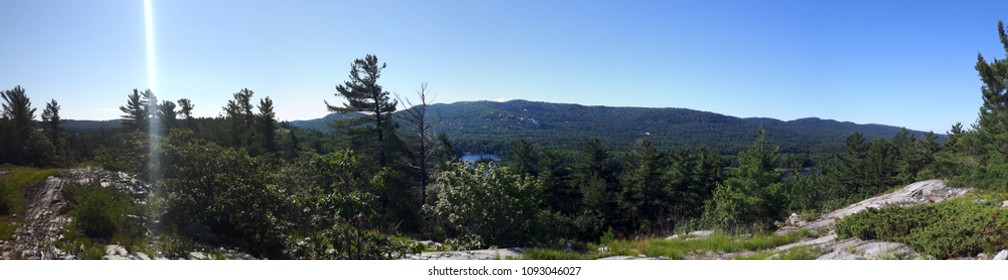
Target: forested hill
491 127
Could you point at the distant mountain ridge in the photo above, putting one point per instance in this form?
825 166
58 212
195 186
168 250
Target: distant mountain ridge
491 127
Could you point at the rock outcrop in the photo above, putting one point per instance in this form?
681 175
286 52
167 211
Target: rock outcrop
924 192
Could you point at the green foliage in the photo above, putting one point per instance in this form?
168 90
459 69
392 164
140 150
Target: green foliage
335 209
17 183
646 198
135 112
364 95
100 212
978 157
487 204
491 127
959 228
224 189
127 152
676 248
752 197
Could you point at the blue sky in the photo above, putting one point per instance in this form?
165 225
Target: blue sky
903 63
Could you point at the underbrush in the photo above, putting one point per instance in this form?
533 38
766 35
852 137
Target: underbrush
7 227
104 213
961 227
677 248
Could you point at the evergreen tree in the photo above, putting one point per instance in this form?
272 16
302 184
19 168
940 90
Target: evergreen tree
267 125
167 114
645 198
598 177
852 174
525 159
20 115
693 174
363 94
444 152
51 122
753 195
185 109
240 118
558 179
135 112
153 111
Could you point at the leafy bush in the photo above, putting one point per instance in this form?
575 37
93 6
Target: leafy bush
486 202
224 189
101 212
946 230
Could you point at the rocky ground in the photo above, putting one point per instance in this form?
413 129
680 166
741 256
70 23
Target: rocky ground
43 222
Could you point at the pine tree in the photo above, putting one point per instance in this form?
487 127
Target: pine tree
645 197
18 112
51 120
240 118
185 109
266 120
167 115
525 159
135 112
363 95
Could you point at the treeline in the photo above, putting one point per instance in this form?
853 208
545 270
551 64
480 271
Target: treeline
282 192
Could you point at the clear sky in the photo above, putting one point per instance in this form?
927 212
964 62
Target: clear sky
903 63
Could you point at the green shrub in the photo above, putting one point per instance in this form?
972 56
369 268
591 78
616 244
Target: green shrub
100 212
958 228
490 203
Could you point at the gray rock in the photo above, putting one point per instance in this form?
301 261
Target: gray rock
1004 203
142 256
115 250
886 250
840 255
199 232
1003 255
198 256
701 233
794 220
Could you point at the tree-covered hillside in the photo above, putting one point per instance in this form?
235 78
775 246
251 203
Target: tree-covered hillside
491 127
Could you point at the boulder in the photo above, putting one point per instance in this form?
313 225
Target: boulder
1004 203
795 220
1003 255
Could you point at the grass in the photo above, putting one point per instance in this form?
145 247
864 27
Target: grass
17 183
677 248
79 244
557 254
7 227
13 187
718 243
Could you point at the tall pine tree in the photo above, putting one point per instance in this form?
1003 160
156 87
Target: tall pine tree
363 94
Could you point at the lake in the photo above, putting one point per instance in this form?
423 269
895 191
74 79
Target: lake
470 158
